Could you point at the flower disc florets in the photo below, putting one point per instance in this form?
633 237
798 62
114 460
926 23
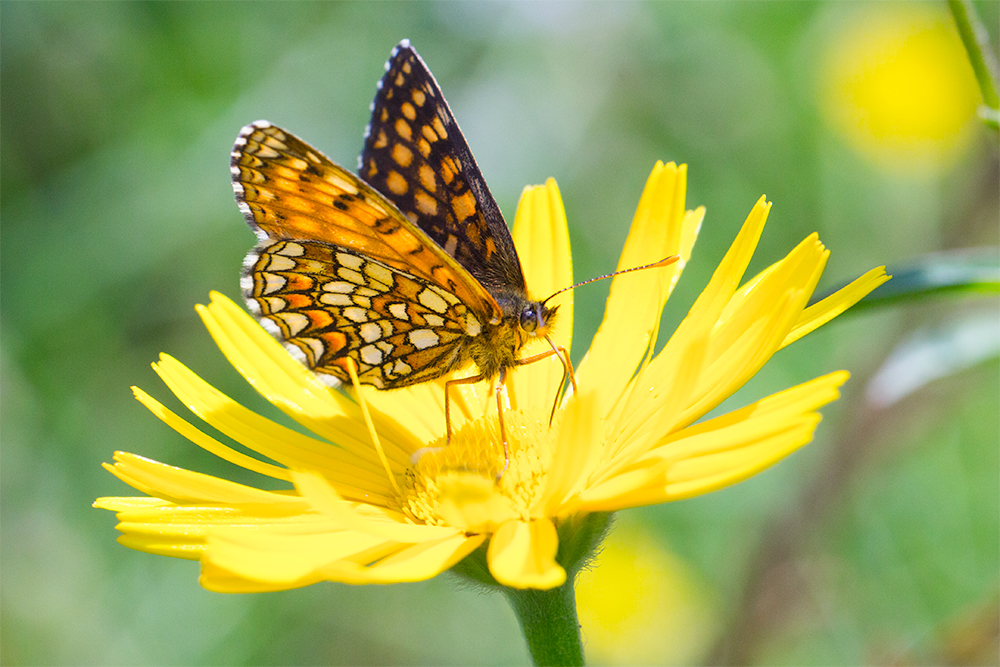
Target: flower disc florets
456 484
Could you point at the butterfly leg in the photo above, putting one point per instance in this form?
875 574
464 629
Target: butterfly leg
499 398
503 430
563 355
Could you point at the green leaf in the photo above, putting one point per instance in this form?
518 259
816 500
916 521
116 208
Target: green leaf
930 353
974 270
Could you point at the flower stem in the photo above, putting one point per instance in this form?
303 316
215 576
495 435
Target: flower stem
548 621
977 44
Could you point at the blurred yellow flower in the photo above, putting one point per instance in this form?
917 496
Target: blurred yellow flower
642 605
410 508
896 82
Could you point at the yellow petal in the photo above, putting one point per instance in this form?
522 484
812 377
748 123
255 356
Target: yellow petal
417 562
281 379
523 555
279 443
627 487
130 503
732 367
541 235
799 269
694 477
754 323
183 486
822 312
296 513
661 227
176 541
472 502
713 299
741 336
719 460
387 524
467 401
181 530
542 239
717 378
218 580
207 442
410 417
576 452
783 405
281 558
192 549
664 405
720 451
703 314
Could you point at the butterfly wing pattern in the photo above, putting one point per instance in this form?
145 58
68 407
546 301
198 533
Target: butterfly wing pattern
415 154
411 274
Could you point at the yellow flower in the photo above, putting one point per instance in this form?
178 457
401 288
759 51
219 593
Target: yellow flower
897 84
410 508
627 617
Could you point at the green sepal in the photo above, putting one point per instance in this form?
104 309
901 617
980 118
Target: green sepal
547 618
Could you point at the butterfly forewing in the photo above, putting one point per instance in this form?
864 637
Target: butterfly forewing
415 154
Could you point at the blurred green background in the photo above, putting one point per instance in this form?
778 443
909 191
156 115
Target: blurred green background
877 543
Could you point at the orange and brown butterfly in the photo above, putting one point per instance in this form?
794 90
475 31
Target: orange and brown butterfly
409 270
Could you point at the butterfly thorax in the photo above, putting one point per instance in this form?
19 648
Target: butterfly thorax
497 348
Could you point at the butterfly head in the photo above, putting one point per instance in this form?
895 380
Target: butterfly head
536 319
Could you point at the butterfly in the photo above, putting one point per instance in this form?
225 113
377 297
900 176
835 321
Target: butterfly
407 270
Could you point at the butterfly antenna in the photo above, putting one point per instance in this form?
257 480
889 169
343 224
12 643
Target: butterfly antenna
666 261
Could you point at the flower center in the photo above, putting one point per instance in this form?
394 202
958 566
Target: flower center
457 485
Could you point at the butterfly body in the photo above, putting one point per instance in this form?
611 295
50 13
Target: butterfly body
497 349
408 271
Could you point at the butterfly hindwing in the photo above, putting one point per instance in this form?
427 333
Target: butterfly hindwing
329 304
415 154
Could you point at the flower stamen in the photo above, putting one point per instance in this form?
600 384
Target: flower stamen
459 484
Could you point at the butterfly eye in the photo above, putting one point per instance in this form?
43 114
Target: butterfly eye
529 318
